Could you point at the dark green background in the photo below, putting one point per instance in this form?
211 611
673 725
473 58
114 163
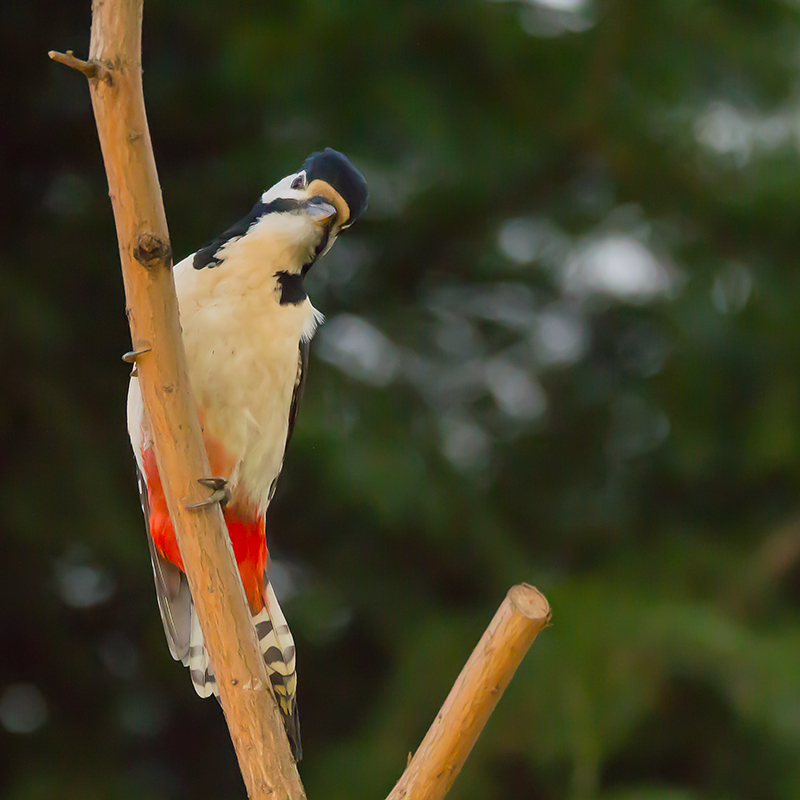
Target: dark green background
562 348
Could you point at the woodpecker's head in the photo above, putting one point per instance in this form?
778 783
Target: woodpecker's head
299 217
329 174
328 189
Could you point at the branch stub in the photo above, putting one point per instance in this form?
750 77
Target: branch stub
152 252
92 69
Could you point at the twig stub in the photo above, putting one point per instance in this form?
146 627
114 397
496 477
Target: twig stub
91 69
151 251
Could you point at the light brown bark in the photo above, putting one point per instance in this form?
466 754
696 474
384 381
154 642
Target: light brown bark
445 748
115 77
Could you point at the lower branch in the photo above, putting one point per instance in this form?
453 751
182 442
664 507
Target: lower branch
445 748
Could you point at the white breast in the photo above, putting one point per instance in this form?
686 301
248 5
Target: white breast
242 348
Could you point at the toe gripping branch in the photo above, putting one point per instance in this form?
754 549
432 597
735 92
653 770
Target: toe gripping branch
221 493
131 356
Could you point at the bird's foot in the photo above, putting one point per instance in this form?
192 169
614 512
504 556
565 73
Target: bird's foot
221 493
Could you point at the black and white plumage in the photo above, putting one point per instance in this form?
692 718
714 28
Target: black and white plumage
246 322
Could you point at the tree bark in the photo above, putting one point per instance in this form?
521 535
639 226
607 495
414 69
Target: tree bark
115 78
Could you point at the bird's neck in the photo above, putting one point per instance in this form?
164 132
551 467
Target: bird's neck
276 247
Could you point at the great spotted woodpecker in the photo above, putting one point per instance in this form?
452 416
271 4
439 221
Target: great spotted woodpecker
247 323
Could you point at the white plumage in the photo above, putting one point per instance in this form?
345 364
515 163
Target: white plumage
243 365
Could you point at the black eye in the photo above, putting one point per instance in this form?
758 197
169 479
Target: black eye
300 181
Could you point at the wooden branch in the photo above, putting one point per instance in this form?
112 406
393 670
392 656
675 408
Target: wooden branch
115 78
445 748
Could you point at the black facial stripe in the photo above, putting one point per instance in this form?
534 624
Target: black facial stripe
335 168
280 204
208 255
291 286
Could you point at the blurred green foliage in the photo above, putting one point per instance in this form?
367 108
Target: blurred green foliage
561 348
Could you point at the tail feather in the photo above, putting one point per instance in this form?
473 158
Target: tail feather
196 658
277 646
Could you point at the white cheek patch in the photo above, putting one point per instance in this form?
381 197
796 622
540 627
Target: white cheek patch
282 190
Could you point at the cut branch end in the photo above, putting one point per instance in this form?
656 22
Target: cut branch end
528 601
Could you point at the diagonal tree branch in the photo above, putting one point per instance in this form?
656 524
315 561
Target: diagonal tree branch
115 80
448 742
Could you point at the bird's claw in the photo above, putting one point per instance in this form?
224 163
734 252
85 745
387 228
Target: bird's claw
131 356
221 494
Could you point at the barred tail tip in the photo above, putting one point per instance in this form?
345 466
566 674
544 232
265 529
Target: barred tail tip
277 646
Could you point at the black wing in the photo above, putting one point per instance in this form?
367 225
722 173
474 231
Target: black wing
299 387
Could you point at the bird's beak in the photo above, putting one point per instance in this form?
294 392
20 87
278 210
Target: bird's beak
320 209
323 193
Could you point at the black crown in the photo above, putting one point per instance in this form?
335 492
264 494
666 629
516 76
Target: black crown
335 168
